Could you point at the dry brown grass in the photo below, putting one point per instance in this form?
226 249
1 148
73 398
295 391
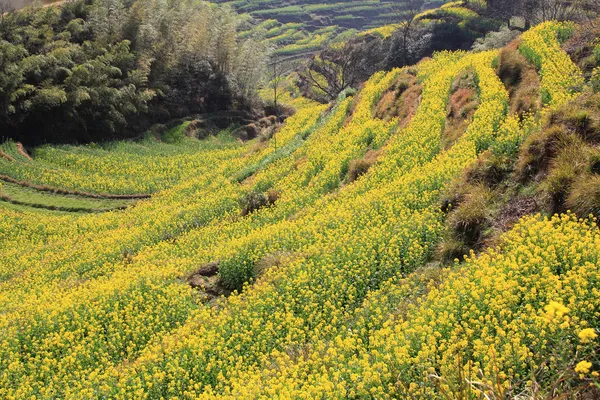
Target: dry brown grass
361 166
511 65
273 260
471 217
538 150
22 151
584 197
254 201
580 46
489 169
521 80
462 105
573 164
401 101
299 162
6 156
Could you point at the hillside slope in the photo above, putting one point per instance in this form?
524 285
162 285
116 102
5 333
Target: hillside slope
305 265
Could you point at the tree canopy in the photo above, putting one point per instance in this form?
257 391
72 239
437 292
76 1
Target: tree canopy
93 70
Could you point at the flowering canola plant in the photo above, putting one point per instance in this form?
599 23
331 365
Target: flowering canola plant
328 304
561 78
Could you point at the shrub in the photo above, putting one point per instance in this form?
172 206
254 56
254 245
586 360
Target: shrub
361 166
471 217
254 201
495 40
584 198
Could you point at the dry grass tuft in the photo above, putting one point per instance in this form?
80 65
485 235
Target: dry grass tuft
361 166
538 150
462 105
584 197
471 217
254 201
401 101
521 80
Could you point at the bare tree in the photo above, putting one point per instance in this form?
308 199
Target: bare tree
406 13
505 9
5 8
560 10
536 11
335 69
278 69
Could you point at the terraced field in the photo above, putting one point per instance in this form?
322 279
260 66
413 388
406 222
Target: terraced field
354 14
281 269
304 26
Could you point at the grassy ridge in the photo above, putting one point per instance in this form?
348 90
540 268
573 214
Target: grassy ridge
21 195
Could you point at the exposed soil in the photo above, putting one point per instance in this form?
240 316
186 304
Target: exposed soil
515 209
22 151
400 101
208 283
6 156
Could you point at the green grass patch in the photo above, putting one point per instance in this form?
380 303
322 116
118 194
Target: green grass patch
24 196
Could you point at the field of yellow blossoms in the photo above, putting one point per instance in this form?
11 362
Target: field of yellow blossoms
332 294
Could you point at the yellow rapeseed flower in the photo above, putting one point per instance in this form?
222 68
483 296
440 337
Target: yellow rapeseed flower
586 335
583 367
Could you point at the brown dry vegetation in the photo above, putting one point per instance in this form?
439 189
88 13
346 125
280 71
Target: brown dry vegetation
401 101
361 166
22 151
254 201
557 170
580 46
463 103
520 79
6 156
207 282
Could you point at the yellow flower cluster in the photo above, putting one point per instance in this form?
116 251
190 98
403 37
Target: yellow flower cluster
340 248
583 367
96 306
485 325
561 78
384 31
123 168
587 335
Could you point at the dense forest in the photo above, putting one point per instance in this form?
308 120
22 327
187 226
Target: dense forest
95 70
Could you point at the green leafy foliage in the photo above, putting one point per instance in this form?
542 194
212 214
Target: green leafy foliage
95 70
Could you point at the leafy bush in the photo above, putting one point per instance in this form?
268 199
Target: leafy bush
495 40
